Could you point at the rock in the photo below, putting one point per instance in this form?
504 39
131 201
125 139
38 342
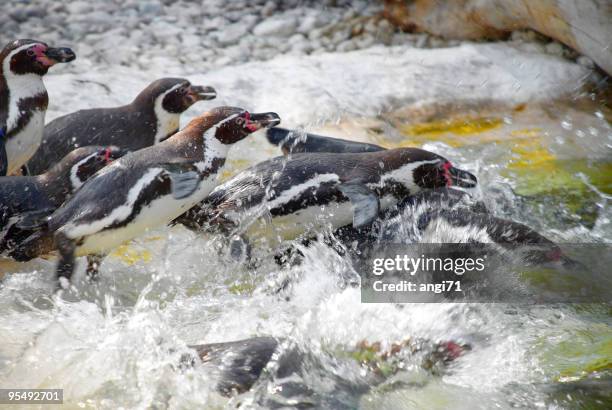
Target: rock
346 46
20 15
231 33
190 41
150 7
268 9
364 41
554 48
214 23
297 38
276 27
581 25
78 7
309 23
421 41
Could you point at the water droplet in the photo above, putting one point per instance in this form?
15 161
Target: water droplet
593 131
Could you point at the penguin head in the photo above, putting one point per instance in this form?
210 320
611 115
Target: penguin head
82 163
32 57
229 125
174 95
182 96
440 173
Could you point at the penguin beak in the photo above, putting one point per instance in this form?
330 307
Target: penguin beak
257 121
461 178
199 93
58 55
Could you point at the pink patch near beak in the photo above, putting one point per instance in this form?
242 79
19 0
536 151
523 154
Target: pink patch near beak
452 349
446 167
250 126
41 57
107 153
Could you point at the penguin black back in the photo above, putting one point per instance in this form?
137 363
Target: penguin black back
293 141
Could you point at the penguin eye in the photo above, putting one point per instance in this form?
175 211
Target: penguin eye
30 52
183 90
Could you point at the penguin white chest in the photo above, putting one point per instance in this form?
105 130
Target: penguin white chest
310 219
20 147
158 212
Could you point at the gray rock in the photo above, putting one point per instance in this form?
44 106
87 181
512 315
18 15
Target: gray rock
309 23
78 7
554 48
231 33
268 9
278 26
150 7
20 15
213 23
345 46
297 38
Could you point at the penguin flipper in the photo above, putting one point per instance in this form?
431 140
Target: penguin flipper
365 202
34 220
184 180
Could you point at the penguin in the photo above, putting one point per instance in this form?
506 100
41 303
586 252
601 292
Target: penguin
24 200
451 216
308 191
439 215
148 188
152 117
293 141
24 98
241 365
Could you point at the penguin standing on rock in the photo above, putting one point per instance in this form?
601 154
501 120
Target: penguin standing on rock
148 188
310 191
25 200
24 99
152 117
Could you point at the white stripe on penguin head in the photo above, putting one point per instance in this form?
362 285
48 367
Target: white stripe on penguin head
20 86
166 121
75 181
405 174
213 148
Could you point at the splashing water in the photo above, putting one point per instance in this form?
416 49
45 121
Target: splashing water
118 342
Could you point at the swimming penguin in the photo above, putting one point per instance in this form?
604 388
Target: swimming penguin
295 141
259 362
309 191
25 200
148 188
24 99
152 117
451 216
